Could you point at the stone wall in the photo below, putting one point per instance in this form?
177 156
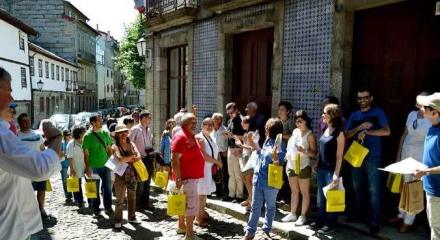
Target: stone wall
46 16
205 65
307 54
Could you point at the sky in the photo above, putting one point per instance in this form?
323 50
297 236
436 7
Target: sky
110 15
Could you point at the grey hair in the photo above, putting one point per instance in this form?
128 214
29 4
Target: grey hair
217 115
253 105
178 118
4 75
186 118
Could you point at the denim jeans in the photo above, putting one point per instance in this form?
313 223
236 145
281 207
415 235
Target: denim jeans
105 175
367 172
323 178
78 196
64 176
143 188
262 193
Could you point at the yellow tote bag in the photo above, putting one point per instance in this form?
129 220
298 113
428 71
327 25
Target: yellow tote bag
356 154
141 170
275 176
297 164
161 179
394 182
90 189
48 186
176 205
72 184
335 201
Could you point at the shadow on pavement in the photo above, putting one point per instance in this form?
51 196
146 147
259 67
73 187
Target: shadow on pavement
223 229
157 215
45 234
140 233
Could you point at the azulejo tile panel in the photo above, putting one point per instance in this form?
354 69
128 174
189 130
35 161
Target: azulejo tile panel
205 66
307 54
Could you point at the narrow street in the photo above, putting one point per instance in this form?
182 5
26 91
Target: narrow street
68 222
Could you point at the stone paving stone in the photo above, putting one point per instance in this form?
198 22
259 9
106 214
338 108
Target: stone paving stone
68 222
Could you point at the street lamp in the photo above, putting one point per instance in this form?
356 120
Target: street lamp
40 85
141 45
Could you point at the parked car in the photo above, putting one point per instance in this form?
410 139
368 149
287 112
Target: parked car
83 118
63 121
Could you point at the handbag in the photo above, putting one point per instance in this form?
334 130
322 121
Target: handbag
90 189
176 204
48 186
356 154
275 176
297 164
394 182
411 198
141 170
72 184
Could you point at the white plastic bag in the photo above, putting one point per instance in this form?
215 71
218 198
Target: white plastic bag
328 187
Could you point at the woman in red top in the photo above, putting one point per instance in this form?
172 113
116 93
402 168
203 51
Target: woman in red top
188 164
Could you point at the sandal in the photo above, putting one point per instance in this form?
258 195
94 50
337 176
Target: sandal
245 203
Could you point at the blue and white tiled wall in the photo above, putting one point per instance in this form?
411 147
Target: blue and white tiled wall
205 66
307 54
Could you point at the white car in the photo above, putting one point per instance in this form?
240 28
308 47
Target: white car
83 118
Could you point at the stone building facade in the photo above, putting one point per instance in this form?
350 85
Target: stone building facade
64 31
106 50
294 50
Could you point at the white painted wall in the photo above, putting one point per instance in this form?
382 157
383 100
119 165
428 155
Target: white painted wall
49 83
9 42
103 81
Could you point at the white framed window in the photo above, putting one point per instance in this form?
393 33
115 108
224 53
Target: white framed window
62 74
23 77
32 66
52 71
40 68
46 65
58 73
21 41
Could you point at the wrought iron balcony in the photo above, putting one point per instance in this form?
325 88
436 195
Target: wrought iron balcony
162 14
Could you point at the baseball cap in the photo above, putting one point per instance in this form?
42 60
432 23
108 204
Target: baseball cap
432 101
13 105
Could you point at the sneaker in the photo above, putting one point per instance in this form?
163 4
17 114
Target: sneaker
315 226
326 230
68 201
291 217
97 213
109 211
301 221
248 237
118 225
133 221
227 199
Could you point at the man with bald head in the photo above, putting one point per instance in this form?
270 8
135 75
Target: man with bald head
19 165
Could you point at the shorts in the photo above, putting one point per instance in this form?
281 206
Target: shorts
39 186
305 173
189 187
242 161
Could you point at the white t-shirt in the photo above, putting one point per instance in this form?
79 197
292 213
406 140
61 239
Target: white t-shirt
75 151
32 139
297 139
417 130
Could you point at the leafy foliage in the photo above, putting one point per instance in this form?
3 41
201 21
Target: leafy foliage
128 60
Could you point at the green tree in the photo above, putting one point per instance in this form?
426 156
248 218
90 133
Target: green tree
128 60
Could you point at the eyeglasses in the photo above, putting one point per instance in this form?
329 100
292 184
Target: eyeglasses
363 98
299 121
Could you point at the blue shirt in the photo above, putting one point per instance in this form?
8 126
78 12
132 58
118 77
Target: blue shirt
165 147
431 158
377 118
65 162
261 170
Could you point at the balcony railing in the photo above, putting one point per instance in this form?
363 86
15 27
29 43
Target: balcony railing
227 5
173 12
161 7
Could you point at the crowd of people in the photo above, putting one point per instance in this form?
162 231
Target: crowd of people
229 158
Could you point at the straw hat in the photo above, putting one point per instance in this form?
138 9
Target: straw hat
121 128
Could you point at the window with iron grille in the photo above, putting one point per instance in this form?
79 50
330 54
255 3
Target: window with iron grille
32 66
46 65
23 77
52 71
40 68
21 42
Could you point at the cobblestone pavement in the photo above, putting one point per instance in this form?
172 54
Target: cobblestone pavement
68 222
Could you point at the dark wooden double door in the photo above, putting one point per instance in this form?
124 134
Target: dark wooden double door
251 69
396 52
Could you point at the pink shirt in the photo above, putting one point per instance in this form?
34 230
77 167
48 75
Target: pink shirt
142 138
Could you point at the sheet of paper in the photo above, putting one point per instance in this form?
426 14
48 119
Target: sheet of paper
116 166
406 166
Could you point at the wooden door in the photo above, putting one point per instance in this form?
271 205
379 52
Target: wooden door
396 53
251 69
